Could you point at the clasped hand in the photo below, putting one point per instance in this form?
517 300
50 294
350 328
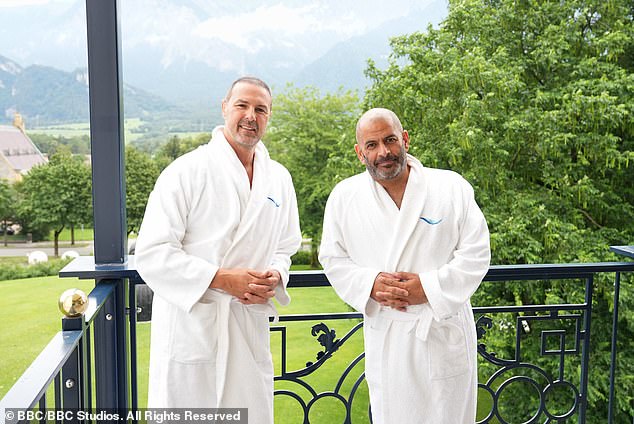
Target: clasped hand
398 290
247 285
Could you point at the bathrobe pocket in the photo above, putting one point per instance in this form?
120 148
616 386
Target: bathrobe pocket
260 342
447 344
194 335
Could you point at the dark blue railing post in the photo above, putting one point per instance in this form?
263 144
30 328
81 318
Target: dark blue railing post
74 378
132 307
627 251
615 323
108 186
111 364
106 131
585 353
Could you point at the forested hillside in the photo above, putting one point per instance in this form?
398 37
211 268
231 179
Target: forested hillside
44 95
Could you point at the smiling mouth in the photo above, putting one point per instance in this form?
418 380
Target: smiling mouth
246 128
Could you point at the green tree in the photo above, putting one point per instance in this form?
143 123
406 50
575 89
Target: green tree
48 144
170 150
7 202
56 195
141 173
533 102
177 146
313 135
190 143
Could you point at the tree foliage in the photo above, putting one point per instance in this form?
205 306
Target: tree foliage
313 136
7 206
141 173
177 146
530 101
533 102
48 144
56 195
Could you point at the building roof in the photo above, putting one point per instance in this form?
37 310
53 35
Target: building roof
18 151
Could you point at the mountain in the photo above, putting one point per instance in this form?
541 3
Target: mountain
45 95
9 71
344 64
188 51
205 46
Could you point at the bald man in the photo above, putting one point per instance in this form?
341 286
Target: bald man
407 245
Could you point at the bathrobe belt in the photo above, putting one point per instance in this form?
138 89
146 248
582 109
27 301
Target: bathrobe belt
421 317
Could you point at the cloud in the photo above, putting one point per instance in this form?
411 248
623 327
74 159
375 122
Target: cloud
242 29
231 37
23 3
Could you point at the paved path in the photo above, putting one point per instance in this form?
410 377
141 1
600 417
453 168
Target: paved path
23 249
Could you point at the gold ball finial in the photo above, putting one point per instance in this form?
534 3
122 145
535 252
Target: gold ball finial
73 303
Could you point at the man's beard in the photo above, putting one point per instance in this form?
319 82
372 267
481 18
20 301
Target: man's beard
249 139
400 163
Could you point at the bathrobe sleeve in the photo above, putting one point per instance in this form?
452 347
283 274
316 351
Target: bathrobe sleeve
352 282
290 241
450 286
161 261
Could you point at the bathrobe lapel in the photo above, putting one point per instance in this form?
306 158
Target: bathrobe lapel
407 216
253 221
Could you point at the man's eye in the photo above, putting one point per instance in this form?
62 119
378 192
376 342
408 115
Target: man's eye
370 146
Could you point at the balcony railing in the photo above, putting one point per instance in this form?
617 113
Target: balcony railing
91 364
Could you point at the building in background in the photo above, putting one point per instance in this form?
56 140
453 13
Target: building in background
18 154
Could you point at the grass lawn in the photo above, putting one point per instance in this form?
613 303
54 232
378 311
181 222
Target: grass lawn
80 129
31 318
85 234
131 130
14 238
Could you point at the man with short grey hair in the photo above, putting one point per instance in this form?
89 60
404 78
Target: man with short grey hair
215 246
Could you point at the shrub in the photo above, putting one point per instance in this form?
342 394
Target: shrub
301 258
13 271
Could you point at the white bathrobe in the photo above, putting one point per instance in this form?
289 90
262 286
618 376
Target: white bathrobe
420 364
207 349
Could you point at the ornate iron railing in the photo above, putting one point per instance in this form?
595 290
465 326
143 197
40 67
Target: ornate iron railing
78 364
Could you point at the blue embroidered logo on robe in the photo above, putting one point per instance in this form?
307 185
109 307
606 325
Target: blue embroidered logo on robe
277 205
431 221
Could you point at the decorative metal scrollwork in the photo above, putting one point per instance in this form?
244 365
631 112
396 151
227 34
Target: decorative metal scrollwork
482 324
327 339
554 397
345 388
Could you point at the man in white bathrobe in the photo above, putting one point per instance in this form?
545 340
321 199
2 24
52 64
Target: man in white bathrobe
407 246
215 246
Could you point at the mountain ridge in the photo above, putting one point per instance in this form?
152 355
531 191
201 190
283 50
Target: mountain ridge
183 54
45 95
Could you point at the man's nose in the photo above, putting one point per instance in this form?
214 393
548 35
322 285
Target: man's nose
383 150
250 114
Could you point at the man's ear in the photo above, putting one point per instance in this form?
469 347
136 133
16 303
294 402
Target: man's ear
357 149
224 108
406 140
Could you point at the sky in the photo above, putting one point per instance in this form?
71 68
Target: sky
15 3
174 48
192 29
